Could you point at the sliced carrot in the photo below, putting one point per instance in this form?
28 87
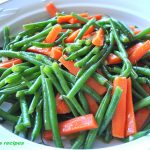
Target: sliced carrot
133 48
51 9
64 19
93 106
140 52
119 118
62 107
44 51
91 82
78 124
141 116
72 36
134 29
98 40
113 59
97 17
130 120
51 37
146 88
89 36
10 63
56 52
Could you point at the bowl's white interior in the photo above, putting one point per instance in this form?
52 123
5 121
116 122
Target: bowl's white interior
39 14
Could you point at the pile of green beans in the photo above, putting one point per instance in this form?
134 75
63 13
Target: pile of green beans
31 86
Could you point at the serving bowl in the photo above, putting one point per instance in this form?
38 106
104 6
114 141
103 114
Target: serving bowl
34 11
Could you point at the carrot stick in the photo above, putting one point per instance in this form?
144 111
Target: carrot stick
98 40
93 106
51 9
146 88
10 63
113 59
119 118
141 116
130 123
89 30
140 52
72 36
64 19
44 51
97 17
56 52
74 70
62 107
89 36
52 36
133 48
78 124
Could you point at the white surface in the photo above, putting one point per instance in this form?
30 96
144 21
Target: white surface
16 13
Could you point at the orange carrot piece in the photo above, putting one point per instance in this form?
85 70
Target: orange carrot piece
64 19
89 36
146 88
93 106
141 116
119 118
91 82
44 51
89 30
51 9
97 17
52 36
62 107
10 63
72 36
113 59
134 29
133 48
140 52
98 40
130 123
78 124
56 52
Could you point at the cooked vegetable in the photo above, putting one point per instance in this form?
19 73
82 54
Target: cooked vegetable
78 76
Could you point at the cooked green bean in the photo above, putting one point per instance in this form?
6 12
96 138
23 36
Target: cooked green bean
6 37
142 33
71 26
142 70
108 136
14 108
53 113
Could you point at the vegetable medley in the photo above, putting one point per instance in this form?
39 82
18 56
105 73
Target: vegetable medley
77 74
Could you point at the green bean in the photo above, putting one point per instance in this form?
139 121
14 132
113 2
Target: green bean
84 60
99 78
142 33
142 80
142 70
111 109
99 118
53 113
7 116
44 59
14 77
14 108
37 123
120 45
46 115
35 86
2 70
66 88
19 69
124 38
49 72
73 47
34 102
30 71
41 24
85 27
81 52
81 81
3 97
6 73
127 64
139 88
71 26
83 102
32 77
108 136
79 141
42 45
142 103
32 38
136 136
6 37
21 93
24 110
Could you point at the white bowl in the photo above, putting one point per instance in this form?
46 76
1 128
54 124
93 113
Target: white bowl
34 11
